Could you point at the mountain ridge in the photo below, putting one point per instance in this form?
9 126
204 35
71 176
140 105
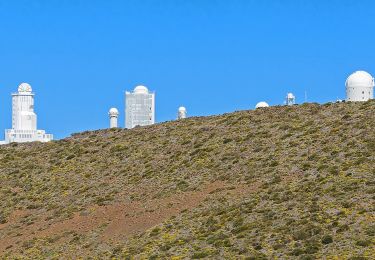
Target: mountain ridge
277 182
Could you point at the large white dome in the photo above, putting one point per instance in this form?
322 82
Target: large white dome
182 109
113 111
140 90
261 104
24 87
360 79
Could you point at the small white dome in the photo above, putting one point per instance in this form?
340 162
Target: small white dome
261 104
290 95
24 87
140 90
360 79
182 109
113 112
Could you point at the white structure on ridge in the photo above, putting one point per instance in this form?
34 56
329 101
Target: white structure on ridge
139 107
290 99
359 86
261 104
181 113
113 117
24 120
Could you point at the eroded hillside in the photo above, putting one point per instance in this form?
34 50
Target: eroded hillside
279 182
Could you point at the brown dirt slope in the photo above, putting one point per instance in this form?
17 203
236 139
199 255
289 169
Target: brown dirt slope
281 182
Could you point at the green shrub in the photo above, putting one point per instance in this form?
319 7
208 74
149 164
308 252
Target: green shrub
327 239
200 254
363 243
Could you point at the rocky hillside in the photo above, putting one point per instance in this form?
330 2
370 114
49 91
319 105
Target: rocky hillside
279 182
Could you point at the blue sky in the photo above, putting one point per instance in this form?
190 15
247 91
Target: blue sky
212 56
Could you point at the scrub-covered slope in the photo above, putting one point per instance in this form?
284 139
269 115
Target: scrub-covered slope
279 182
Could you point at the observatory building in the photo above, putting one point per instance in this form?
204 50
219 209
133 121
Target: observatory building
359 86
261 104
139 107
113 117
24 120
181 113
290 99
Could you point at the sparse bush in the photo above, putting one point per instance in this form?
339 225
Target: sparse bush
327 239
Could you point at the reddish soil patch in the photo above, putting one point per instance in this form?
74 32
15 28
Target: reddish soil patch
116 221
14 217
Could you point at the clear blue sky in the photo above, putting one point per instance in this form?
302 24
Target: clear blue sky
211 56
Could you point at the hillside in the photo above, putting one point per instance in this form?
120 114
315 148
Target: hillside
280 182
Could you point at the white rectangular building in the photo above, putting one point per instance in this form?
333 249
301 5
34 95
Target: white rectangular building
139 107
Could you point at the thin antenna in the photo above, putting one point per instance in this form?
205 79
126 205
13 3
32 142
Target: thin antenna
305 96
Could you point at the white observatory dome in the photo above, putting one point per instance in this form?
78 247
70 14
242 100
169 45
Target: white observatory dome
24 87
360 79
261 104
290 95
359 86
140 90
182 113
113 111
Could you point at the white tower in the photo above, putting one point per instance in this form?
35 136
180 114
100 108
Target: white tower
359 86
290 99
23 116
113 117
139 107
261 104
181 113
24 120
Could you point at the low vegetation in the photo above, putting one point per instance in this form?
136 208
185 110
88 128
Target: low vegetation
279 182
